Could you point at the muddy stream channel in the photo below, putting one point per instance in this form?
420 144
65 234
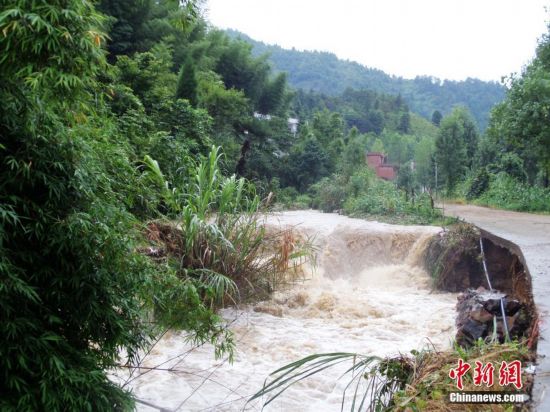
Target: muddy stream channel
368 294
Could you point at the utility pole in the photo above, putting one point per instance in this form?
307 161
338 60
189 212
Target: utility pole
436 191
436 181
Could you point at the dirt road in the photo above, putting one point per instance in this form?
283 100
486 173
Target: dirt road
532 234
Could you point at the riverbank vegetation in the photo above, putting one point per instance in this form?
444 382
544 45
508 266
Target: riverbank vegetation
418 381
104 143
139 146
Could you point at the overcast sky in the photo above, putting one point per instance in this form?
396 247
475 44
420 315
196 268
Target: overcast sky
449 39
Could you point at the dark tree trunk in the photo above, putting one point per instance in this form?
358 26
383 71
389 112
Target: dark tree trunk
239 170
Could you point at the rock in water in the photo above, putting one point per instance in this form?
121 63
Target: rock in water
480 315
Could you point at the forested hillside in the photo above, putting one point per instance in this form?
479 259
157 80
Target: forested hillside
325 73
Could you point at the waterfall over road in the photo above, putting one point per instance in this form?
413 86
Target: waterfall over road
369 294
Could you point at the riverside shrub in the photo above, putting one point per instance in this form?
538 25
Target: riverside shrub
506 192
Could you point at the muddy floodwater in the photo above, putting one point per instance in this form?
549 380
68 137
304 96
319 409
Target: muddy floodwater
368 295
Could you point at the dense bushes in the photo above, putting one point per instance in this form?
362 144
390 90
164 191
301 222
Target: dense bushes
71 283
77 182
506 192
365 195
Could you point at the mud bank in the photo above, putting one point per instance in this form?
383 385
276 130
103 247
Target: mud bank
457 263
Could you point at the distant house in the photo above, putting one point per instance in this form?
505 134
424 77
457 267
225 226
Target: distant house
377 162
291 121
293 125
261 116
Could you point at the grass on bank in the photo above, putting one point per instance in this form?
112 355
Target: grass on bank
501 191
418 381
214 237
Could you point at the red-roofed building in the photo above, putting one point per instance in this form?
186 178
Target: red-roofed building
377 161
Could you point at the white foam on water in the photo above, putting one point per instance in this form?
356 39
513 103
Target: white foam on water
369 295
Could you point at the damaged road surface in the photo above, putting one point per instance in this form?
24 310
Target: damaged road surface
532 234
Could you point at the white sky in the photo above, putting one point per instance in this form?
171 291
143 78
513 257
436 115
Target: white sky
449 39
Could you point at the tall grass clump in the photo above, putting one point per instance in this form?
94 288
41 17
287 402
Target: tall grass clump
215 235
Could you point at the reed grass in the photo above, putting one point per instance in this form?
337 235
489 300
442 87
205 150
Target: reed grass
217 237
416 382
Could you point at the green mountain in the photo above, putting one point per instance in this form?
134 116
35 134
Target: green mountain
325 73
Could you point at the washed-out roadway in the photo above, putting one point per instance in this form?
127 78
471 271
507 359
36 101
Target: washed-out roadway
531 232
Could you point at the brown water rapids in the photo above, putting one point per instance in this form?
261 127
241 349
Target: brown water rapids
368 295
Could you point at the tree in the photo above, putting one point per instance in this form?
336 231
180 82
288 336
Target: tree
308 165
273 97
126 25
241 71
470 134
406 179
228 107
404 123
378 146
521 124
186 87
69 298
436 117
376 120
149 75
423 153
353 156
450 151
75 296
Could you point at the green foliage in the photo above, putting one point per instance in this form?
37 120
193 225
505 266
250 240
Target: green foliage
436 117
365 195
186 87
307 165
324 73
71 282
406 179
428 381
513 157
423 160
74 292
329 193
127 22
228 107
365 110
273 97
290 374
506 192
511 164
135 26
404 123
416 381
149 75
479 184
520 123
241 71
189 126
382 200
220 243
455 146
